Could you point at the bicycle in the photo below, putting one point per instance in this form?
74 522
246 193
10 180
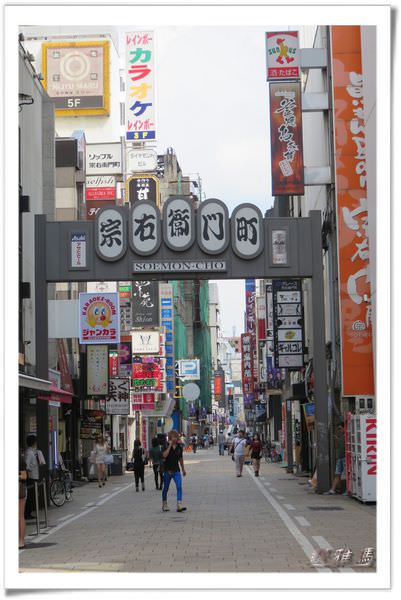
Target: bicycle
60 487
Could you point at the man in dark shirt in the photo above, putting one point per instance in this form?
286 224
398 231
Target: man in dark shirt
173 459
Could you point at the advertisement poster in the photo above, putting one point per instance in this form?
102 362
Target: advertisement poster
97 370
139 86
146 374
287 164
76 77
125 359
283 55
99 318
352 213
91 425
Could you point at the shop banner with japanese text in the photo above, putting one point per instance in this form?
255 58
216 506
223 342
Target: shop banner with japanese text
352 212
139 86
287 162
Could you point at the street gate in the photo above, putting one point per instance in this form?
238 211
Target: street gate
179 242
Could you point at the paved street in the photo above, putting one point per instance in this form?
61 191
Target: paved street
270 524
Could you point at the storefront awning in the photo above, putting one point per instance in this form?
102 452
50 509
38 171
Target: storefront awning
33 383
57 395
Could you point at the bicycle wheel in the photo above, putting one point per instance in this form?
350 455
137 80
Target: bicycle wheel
57 492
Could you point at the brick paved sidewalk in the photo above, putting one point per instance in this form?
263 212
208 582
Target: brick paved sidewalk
267 524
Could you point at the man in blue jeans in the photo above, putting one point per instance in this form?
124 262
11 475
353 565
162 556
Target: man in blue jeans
173 459
340 459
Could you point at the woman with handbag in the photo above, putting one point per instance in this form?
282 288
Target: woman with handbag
101 449
140 459
256 453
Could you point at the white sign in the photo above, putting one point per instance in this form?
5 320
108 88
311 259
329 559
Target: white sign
213 226
139 86
103 159
283 55
141 161
97 370
118 400
110 234
78 250
247 231
145 342
145 237
279 247
189 369
99 318
191 391
178 224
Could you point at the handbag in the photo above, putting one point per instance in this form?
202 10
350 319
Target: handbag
108 459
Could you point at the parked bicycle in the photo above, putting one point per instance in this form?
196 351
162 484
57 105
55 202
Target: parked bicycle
271 454
60 487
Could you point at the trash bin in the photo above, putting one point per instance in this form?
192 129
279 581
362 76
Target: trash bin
116 467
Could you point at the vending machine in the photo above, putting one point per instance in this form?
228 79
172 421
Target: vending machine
361 456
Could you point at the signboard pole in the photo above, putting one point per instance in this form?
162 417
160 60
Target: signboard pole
319 357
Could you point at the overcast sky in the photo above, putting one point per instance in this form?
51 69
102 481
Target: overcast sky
212 108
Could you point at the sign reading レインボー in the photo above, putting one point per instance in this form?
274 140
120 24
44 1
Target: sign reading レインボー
352 213
139 86
286 139
76 77
283 55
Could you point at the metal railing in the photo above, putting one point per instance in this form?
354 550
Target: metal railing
36 485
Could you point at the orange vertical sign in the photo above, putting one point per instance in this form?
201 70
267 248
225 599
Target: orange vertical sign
352 212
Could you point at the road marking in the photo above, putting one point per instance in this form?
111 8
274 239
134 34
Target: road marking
104 495
66 517
289 507
273 490
302 521
289 523
281 497
324 544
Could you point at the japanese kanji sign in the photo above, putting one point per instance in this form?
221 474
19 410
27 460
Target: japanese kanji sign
142 187
247 231
103 159
146 374
288 323
213 226
178 223
111 234
247 363
145 228
283 55
352 213
139 86
167 322
145 303
286 139
76 77
141 160
118 399
99 318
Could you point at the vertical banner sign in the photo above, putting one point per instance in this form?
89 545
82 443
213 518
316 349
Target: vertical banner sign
282 55
352 213
250 319
273 374
97 370
288 323
76 77
145 303
247 363
78 250
99 318
287 163
113 363
167 321
125 359
139 86
219 388
261 337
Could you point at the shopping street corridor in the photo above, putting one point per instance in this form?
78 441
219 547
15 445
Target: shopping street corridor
273 523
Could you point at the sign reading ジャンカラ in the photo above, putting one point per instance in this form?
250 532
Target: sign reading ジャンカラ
99 318
76 77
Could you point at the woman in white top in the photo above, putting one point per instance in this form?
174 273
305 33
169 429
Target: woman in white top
238 452
101 449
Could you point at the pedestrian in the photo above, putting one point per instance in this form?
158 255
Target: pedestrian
183 441
340 458
206 438
194 441
256 453
155 455
221 440
140 459
100 450
173 458
238 452
33 458
22 479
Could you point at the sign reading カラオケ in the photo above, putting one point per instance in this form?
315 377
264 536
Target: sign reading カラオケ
283 57
139 86
99 318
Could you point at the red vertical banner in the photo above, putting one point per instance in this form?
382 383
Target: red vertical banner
287 163
352 212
